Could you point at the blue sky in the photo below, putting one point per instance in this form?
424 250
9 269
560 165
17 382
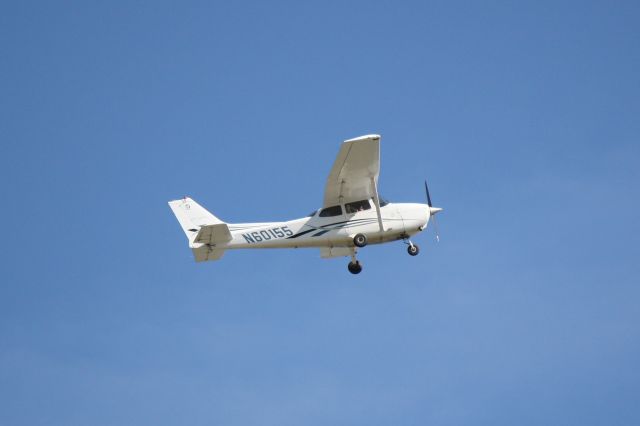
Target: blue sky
523 116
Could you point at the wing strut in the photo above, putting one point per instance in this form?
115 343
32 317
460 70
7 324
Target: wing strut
376 202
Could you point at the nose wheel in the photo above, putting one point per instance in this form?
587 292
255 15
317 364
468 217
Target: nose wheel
413 249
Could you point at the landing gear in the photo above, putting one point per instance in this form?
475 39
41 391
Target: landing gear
354 267
413 249
360 240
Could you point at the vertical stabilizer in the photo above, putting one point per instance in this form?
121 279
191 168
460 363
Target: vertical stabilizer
192 216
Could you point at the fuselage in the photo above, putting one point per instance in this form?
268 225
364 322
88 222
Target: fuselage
326 228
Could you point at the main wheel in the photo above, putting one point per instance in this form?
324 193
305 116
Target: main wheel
360 240
413 250
354 267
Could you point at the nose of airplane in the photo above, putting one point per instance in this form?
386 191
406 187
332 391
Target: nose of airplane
434 210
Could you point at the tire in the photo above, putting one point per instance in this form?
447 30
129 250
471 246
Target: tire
354 267
360 240
413 250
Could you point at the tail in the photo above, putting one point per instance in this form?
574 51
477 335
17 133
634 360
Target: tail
203 230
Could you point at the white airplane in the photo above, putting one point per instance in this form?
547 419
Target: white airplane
352 215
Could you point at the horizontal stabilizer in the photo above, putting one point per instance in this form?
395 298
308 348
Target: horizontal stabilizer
213 234
204 253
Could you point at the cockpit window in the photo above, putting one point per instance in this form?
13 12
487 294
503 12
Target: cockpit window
357 206
331 211
383 202
312 214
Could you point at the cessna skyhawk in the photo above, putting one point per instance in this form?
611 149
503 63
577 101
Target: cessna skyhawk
352 215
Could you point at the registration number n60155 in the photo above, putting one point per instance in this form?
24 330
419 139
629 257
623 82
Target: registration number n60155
267 234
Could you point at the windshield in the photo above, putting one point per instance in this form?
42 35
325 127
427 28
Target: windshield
331 211
383 202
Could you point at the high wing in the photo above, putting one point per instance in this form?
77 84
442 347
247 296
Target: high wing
354 175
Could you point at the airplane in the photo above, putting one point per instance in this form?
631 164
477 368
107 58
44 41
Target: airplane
352 216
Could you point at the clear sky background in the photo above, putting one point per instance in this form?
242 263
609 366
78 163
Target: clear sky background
525 118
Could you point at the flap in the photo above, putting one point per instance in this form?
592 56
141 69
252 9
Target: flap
327 252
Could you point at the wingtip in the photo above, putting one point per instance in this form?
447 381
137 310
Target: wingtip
373 137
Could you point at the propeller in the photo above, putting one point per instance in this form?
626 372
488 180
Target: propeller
432 211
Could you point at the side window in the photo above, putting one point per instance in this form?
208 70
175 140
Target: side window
331 211
357 206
